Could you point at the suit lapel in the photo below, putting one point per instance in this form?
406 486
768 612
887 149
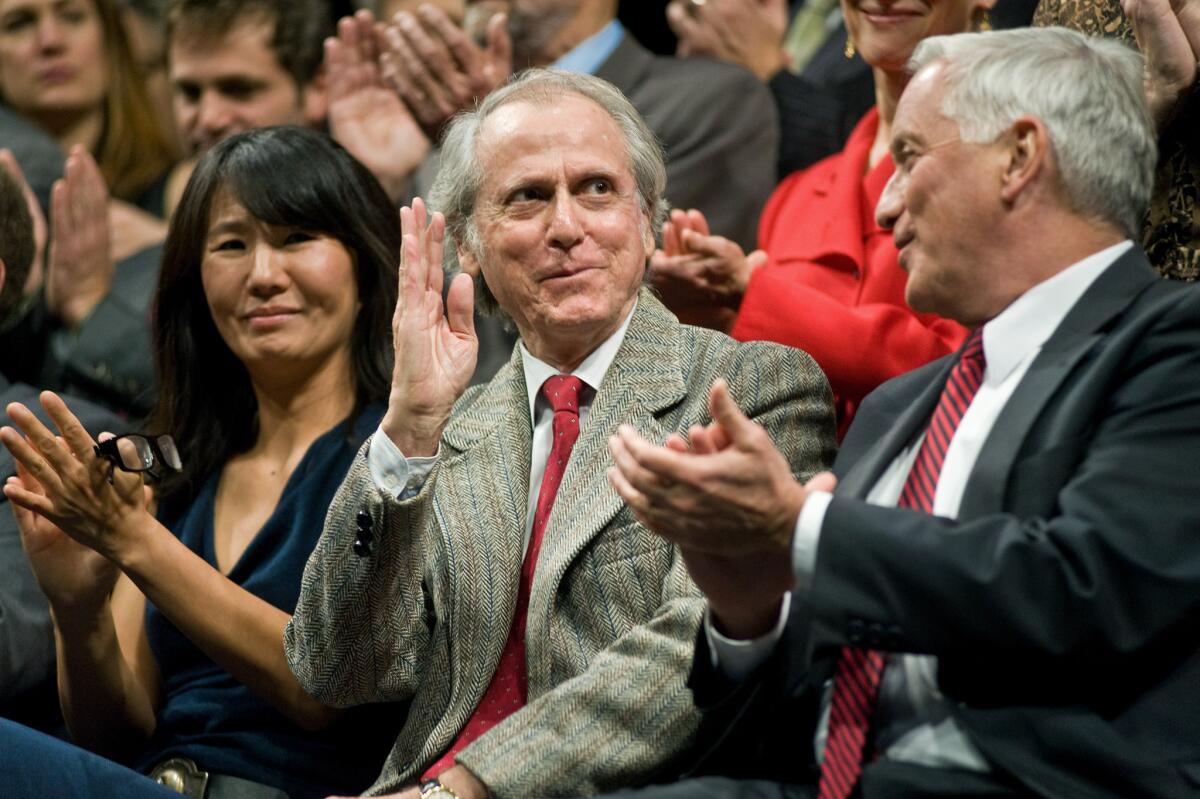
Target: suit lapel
643 381
918 396
1110 294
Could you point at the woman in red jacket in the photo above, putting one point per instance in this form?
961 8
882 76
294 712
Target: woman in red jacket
826 279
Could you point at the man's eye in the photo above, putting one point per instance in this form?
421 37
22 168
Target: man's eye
525 196
188 91
599 186
238 89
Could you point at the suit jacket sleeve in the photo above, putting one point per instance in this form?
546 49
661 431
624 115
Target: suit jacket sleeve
603 729
359 631
1095 550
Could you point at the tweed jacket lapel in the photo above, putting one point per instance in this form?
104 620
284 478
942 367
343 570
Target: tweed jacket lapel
643 381
480 511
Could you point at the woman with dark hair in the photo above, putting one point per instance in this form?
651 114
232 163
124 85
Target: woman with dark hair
274 354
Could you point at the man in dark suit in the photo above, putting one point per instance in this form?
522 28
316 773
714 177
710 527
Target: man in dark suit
26 638
999 598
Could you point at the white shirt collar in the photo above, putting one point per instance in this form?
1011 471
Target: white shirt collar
591 371
1029 321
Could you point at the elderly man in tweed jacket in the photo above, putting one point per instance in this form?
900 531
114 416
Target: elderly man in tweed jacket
541 636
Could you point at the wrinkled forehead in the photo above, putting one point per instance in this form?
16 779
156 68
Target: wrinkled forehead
541 121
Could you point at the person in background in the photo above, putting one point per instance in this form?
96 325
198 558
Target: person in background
826 276
26 638
274 355
67 66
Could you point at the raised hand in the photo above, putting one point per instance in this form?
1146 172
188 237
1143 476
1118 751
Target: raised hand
436 348
80 270
744 32
436 67
366 116
701 277
37 269
1168 34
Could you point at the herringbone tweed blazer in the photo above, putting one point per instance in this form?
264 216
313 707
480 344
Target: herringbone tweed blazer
612 614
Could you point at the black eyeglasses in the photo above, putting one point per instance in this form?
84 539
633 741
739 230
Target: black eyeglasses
151 455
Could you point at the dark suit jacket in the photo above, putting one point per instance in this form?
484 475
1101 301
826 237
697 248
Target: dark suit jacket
26 639
718 125
1064 603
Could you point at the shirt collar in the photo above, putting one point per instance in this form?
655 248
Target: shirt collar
592 52
591 371
1029 321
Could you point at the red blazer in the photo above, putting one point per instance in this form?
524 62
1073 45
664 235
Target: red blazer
833 286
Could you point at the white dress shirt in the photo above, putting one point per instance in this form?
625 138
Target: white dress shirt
913 721
403 477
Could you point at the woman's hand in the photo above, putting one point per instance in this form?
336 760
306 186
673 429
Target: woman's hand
702 277
436 348
66 483
76 579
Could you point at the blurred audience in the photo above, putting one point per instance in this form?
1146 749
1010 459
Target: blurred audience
26 638
145 23
272 341
827 277
716 123
67 66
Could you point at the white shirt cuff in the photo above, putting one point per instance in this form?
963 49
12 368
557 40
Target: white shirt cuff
394 474
808 535
737 660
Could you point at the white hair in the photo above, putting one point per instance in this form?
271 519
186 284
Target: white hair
1086 90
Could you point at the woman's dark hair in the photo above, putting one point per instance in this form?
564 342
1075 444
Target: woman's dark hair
285 176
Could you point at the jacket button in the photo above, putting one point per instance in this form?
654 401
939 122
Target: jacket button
362 548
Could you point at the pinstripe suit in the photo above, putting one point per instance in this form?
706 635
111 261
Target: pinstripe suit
612 614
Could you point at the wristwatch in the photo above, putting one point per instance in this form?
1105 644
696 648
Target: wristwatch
433 789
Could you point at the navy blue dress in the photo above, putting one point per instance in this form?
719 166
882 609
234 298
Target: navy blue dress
206 714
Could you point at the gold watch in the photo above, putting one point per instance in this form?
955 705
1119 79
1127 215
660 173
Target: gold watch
433 789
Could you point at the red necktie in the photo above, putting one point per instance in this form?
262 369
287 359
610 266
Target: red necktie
860 671
507 691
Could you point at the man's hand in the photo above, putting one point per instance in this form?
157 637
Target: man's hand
1168 34
437 69
457 779
744 32
435 349
727 498
701 277
81 269
365 116
37 269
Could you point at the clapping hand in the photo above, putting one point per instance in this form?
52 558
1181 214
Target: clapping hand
437 69
63 488
702 277
1168 33
366 116
744 32
436 348
81 268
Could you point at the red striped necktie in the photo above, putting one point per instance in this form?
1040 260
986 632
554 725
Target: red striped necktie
860 671
508 689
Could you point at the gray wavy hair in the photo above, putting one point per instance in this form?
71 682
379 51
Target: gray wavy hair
1087 91
456 187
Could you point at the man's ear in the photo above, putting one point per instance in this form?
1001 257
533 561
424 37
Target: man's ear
648 236
3 275
468 262
315 98
1028 154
